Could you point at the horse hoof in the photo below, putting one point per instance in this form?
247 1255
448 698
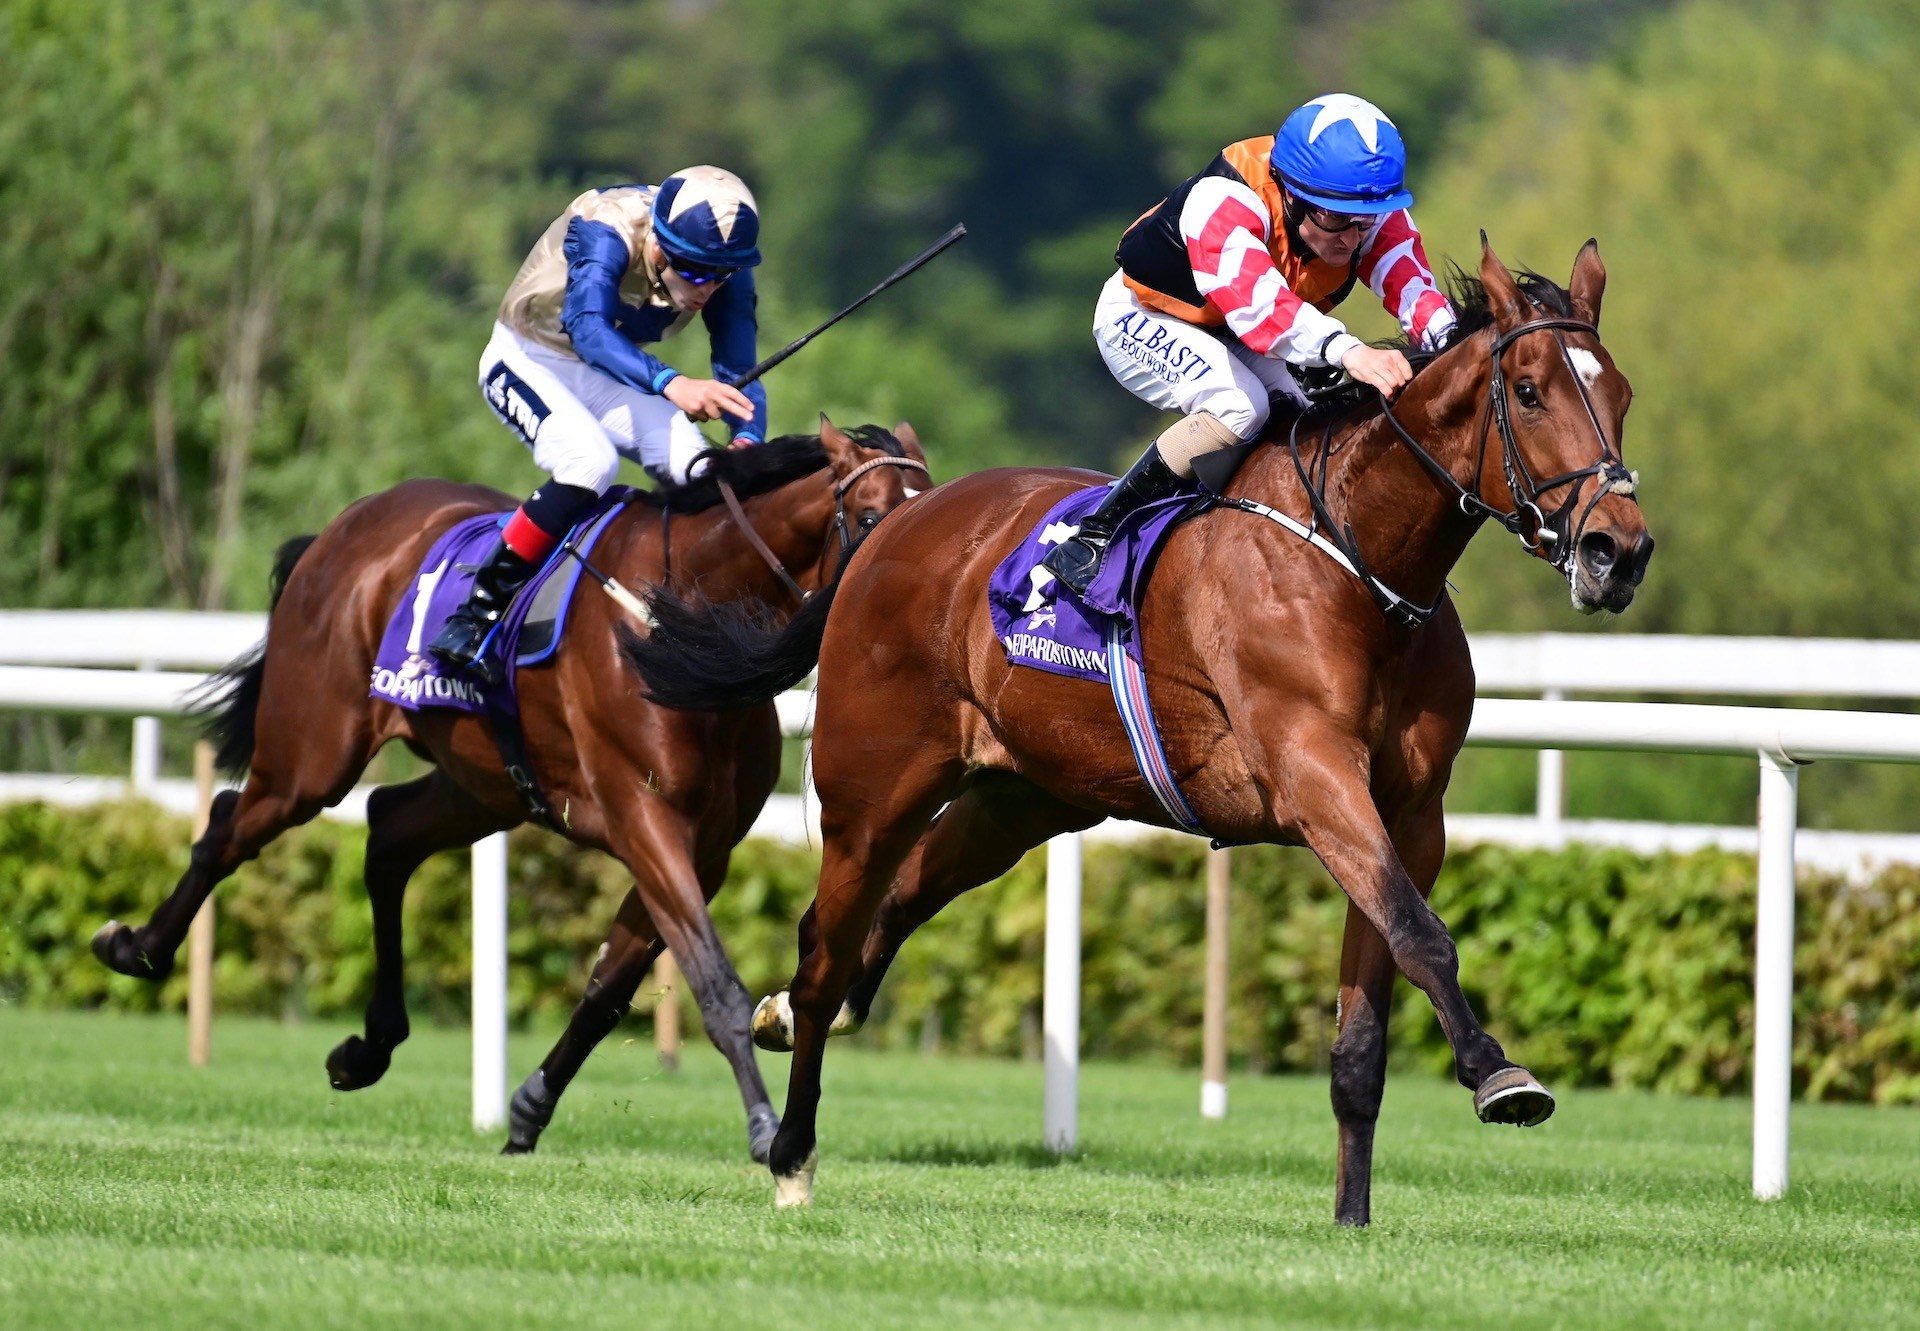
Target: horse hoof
762 1124
1511 1095
796 1189
773 1023
528 1114
118 948
355 1065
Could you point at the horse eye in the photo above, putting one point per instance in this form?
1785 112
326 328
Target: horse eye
868 521
1529 395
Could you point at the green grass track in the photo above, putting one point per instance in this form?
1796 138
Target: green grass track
135 1191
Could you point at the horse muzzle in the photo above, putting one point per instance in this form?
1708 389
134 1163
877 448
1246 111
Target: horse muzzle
1607 569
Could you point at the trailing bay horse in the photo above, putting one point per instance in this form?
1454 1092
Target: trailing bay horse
1300 702
667 793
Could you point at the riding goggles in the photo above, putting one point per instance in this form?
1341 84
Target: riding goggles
1335 223
699 274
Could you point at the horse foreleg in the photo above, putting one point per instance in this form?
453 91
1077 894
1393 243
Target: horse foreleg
656 843
406 824
1366 999
632 946
1335 814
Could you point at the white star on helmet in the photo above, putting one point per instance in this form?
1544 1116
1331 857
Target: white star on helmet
722 191
1362 114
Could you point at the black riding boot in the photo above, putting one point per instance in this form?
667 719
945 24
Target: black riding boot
495 583
1076 560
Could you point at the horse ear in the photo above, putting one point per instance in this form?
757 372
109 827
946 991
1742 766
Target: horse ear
1589 282
842 451
1503 293
910 440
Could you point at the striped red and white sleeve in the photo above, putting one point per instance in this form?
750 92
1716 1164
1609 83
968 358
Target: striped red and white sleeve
1394 264
1226 226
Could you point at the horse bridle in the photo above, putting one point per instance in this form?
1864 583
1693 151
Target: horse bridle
840 488
1527 519
1561 530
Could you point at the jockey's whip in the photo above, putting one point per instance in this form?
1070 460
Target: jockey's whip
623 598
904 271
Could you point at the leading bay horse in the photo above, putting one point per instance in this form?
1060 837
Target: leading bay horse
668 793
1302 702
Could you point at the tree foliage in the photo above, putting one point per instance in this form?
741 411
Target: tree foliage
250 250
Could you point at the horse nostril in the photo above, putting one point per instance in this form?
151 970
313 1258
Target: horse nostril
1598 554
1642 556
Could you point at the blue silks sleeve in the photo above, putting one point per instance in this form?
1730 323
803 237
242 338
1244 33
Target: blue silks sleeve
596 262
733 325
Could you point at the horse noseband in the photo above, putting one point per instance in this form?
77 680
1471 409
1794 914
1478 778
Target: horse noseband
840 487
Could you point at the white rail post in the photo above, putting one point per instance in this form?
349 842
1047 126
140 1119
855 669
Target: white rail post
1550 792
666 1012
1213 1021
146 748
1773 975
1060 996
490 982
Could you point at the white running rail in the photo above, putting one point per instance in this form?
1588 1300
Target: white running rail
53 663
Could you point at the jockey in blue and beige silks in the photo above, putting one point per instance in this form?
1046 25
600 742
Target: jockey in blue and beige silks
566 369
1227 284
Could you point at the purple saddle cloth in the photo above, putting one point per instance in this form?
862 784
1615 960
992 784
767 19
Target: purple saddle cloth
528 635
1042 624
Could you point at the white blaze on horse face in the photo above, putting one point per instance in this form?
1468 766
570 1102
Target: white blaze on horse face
911 492
1585 364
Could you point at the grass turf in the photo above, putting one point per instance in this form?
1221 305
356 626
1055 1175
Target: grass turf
137 1191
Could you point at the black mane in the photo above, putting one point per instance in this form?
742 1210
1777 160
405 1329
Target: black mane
764 467
1473 311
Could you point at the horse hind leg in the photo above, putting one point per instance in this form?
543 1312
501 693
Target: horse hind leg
240 825
632 946
978 837
870 827
303 760
406 824
145 953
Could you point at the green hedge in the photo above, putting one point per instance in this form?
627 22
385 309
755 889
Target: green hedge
1593 966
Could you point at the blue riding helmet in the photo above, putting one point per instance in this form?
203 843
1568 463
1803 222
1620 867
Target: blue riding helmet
1340 152
707 217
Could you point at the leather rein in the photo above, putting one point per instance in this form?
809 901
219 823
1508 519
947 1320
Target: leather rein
1527 519
840 524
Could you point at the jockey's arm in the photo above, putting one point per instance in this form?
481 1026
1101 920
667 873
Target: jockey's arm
733 326
597 260
1393 263
1226 226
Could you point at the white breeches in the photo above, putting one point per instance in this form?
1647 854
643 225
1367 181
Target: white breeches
1183 367
580 423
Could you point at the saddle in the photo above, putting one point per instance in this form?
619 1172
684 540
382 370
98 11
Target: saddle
527 637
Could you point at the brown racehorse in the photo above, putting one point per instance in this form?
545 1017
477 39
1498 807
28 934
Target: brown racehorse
1294 710
668 793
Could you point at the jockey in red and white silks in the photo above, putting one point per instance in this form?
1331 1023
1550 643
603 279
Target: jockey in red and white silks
1230 282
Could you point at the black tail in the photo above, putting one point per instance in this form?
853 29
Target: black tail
228 702
711 658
